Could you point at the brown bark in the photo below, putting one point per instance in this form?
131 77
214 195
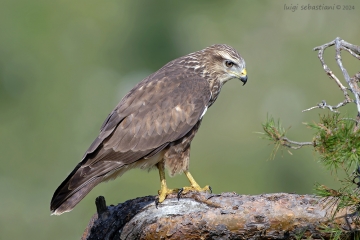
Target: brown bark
221 216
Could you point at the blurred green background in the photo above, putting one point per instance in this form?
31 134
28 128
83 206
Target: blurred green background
64 65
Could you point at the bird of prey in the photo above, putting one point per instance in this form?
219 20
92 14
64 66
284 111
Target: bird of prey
154 124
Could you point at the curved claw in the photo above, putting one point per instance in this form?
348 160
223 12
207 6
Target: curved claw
179 193
192 188
156 202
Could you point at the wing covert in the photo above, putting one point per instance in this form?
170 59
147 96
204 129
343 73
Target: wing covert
166 111
155 112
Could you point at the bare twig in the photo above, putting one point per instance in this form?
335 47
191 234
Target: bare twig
294 145
352 82
352 49
354 89
321 50
323 105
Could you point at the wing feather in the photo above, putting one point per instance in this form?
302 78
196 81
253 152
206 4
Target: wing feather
158 112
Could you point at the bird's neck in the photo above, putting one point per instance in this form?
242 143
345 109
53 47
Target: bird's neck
215 88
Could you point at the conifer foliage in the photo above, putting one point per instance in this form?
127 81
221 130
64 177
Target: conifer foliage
336 139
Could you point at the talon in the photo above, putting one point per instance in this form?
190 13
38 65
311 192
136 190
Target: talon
179 193
194 186
156 202
164 191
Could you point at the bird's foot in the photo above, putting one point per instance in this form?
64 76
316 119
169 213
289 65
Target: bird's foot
193 188
164 191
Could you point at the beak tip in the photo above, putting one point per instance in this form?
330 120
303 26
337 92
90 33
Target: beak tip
244 79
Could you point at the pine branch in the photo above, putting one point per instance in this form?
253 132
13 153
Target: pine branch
336 139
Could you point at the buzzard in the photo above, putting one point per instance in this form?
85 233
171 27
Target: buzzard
154 124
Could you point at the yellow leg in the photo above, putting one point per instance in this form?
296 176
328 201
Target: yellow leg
164 191
194 186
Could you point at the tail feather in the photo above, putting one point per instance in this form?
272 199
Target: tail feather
66 199
67 195
99 166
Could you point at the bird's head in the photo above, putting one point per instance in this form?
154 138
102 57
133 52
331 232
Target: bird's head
222 62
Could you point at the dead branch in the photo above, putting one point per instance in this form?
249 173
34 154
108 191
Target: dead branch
221 216
351 81
293 144
323 105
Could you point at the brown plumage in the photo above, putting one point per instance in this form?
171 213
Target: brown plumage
154 124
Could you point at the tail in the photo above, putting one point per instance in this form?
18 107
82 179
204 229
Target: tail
71 192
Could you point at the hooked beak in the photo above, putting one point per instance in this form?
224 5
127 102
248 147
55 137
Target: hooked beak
243 76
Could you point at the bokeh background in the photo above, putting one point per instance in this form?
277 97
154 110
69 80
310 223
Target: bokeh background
64 65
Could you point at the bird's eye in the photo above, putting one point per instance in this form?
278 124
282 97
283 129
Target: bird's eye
229 64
